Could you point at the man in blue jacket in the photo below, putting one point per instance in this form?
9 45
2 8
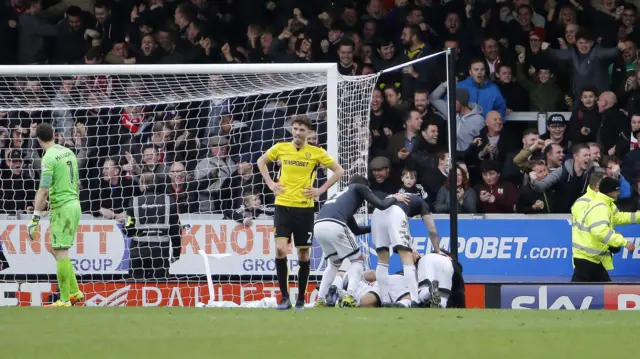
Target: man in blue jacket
481 90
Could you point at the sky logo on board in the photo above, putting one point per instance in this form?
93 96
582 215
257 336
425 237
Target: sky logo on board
552 297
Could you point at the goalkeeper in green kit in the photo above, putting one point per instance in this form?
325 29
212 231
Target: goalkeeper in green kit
59 182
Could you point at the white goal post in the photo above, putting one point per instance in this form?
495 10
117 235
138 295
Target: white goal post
136 127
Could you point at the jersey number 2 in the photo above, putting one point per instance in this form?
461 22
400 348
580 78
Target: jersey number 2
70 165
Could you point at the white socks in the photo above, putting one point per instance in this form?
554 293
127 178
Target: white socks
382 277
411 281
338 281
327 279
355 274
443 302
424 295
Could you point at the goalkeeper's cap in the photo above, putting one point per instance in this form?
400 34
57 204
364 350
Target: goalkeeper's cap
358 179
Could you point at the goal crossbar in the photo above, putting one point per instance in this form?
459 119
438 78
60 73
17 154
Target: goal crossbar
156 69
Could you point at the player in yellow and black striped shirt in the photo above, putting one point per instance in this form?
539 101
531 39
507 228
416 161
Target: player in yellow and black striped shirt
294 212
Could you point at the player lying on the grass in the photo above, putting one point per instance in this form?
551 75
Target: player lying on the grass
335 229
440 282
390 229
441 285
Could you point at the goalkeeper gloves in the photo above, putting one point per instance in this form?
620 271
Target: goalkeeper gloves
34 225
129 222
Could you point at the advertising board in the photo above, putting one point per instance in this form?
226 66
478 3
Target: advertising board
491 250
516 250
571 297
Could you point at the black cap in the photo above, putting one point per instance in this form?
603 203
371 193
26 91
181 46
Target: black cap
609 185
462 96
556 119
15 155
490 165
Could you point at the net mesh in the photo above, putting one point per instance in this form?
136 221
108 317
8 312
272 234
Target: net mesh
192 138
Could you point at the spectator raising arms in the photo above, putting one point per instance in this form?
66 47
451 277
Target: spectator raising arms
531 201
571 179
588 61
469 118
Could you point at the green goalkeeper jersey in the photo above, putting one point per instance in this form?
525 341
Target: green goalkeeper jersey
60 175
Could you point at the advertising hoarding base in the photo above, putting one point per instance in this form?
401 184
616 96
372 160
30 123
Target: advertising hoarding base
176 294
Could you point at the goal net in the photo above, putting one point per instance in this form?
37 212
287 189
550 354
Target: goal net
190 135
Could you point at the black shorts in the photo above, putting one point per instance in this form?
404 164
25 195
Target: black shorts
294 221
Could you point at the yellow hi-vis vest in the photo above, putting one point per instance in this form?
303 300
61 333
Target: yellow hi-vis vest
592 230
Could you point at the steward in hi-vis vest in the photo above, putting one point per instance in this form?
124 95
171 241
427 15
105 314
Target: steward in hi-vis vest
593 238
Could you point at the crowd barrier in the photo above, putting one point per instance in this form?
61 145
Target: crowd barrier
492 248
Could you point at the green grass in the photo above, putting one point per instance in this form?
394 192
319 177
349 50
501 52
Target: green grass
177 333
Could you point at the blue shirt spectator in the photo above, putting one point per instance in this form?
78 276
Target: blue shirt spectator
482 91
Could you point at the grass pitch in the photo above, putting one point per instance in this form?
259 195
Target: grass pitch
177 333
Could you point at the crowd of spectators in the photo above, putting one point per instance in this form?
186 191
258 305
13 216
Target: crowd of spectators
511 56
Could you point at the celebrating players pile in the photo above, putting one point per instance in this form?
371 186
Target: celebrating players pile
433 280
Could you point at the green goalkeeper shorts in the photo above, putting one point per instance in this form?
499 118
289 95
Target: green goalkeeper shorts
63 225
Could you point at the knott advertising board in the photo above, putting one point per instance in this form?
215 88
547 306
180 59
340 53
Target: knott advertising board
252 249
102 248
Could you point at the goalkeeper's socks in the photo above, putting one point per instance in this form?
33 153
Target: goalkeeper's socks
303 278
282 272
411 281
73 281
382 277
355 274
328 276
65 270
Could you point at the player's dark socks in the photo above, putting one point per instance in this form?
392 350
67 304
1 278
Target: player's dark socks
303 279
332 296
282 272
